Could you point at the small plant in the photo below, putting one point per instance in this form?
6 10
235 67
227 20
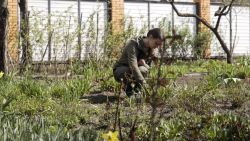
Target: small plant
1 74
201 44
225 127
181 48
31 89
110 136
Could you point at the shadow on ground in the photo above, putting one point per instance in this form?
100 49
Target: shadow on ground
101 97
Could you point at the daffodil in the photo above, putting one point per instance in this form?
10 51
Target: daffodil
110 136
1 74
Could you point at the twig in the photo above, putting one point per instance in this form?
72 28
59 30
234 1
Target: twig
67 40
133 129
117 113
47 46
155 91
222 12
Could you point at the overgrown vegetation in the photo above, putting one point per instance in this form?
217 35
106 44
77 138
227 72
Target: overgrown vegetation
196 99
207 108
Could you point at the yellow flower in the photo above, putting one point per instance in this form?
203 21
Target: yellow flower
110 136
1 74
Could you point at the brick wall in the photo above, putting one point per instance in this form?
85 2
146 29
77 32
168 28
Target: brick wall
117 15
204 12
12 34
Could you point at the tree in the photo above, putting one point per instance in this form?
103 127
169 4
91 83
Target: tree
222 11
26 51
3 35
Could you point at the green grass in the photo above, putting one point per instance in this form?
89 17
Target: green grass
53 109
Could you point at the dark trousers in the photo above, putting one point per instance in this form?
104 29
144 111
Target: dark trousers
124 75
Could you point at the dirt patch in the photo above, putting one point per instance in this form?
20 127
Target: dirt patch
102 97
99 97
190 79
245 109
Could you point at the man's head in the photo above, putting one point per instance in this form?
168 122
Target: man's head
155 38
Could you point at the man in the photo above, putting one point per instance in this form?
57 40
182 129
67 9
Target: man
133 65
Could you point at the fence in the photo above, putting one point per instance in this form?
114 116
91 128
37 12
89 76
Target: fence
68 40
75 27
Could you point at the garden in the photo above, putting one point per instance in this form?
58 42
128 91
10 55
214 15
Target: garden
187 97
196 100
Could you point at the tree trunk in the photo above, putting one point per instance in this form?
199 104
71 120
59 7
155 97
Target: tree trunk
224 47
3 35
26 51
221 12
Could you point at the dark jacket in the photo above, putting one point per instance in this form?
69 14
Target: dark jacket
133 51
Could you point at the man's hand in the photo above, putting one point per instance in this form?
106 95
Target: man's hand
142 62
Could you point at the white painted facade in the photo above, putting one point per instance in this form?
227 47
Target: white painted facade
38 21
184 0
159 13
64 23
141 14
136 14
152 15
240 31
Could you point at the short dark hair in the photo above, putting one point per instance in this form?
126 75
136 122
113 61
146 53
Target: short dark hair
156 33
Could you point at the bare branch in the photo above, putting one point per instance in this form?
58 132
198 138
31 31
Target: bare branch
190 15
222 12
219 13
226 7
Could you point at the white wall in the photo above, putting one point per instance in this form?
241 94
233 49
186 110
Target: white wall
223 29
240 31
184 0
38 20
136 11
99 12
64 21
158 11
161 13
